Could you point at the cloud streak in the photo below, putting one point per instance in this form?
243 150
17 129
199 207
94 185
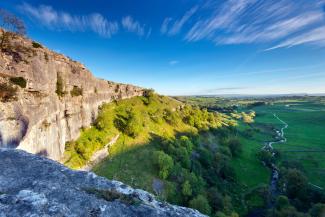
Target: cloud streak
59 20
173 62
252 21
315 36
131 25
176 27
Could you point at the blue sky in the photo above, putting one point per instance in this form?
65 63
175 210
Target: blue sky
185 47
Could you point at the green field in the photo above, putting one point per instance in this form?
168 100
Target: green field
305 135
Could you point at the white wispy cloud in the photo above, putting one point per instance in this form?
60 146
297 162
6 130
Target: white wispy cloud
221 18
275 31
251 21
60 20
131 25
173 62
175 27
164 26
315 36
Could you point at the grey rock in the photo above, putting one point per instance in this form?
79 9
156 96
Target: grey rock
40 121
32 185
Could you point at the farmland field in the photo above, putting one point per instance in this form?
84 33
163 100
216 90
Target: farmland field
305 135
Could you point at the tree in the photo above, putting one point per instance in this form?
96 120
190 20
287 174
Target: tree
318 210
215 199
235 147
296 182
187 143
186 189
10 24
248 118
128 122
171 117
282 202
201 203
164 162
265 156
290 211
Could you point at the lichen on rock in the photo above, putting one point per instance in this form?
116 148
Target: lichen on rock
32 185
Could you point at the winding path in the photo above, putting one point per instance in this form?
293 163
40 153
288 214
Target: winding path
99 155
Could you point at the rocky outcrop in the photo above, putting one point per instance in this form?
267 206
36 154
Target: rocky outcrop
46 98
31 185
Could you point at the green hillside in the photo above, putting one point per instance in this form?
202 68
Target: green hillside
181 153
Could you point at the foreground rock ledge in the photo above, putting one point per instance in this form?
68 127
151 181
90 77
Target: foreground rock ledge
31 185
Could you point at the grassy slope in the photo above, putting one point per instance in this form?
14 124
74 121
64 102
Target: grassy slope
251 174
93 139
134 165
306 132
130 159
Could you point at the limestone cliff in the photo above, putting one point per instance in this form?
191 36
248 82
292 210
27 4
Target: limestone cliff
35 186
46 98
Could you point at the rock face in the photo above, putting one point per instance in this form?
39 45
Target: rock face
60 97
32 185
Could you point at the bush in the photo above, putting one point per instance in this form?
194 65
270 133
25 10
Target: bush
164 162
318 210
36 45
235 147
186 189
171 117
76 91
20 81
128 122
248 118
282 202
296 183
265 156
7 92
60 86
201 203
148 93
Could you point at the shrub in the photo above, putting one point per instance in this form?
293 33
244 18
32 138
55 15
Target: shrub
20 81
76 91
201 203
186 189
36 45
282 202
164 162
235 147
317 210
128 122
265 156
60 86
46 57
171 117
248 118
148 92
7 92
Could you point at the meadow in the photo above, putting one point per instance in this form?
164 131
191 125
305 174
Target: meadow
305 135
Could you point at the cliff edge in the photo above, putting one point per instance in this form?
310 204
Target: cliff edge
46 98
32 185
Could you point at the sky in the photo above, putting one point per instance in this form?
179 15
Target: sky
188 47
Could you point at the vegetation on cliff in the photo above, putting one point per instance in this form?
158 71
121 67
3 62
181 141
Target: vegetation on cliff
165 147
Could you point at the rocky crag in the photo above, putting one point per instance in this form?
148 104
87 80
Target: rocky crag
46 98
32 185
